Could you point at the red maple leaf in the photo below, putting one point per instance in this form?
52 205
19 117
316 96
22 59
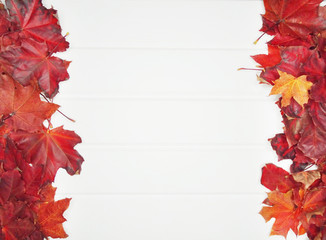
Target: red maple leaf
11 185
317 112
297 18
300 162
269 62
280 145
284 41
276 178
295 126
35 21
21 107
51 149
16 221
33 60
294 110
318 90
313 142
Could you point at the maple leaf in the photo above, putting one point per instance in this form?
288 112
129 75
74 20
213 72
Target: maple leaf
297 18
16 221
35 21
318 90
11 185
285 40
284 211
300 60
280 145
293 59
290 86
314 202
293 209
32 60
269 63
294 110
50 218
276 178
22 107
10 156
317 112
269 60
313 142
51 149
32 177
300 162
295 126
47 193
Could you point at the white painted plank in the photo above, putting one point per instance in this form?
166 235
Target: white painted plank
222 170
160 23
171 122
153 73
162 217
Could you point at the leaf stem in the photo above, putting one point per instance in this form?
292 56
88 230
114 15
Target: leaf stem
70 119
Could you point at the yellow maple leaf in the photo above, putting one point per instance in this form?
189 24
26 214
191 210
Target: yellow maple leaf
290 86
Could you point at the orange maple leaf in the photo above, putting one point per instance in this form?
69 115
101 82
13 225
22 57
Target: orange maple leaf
22 107
290 86
293 209
50 217
284 211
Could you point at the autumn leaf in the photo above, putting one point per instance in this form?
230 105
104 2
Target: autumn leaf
51 149
290 86
313 142
33 60
293 209
300 162
280 145
297 18
16 221
294 110
307 177
318 90
35 21
295 126
10 157
284 211
30 153
276 178
314 202
317 112
47 193
22 106
294 58
50 218
11 185
286 40
269 60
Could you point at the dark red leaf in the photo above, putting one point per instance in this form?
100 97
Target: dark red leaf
33 60
11 185
51 149
297 18
280 145
37 22
313 142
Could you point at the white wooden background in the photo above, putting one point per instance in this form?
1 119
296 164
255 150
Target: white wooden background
174 136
